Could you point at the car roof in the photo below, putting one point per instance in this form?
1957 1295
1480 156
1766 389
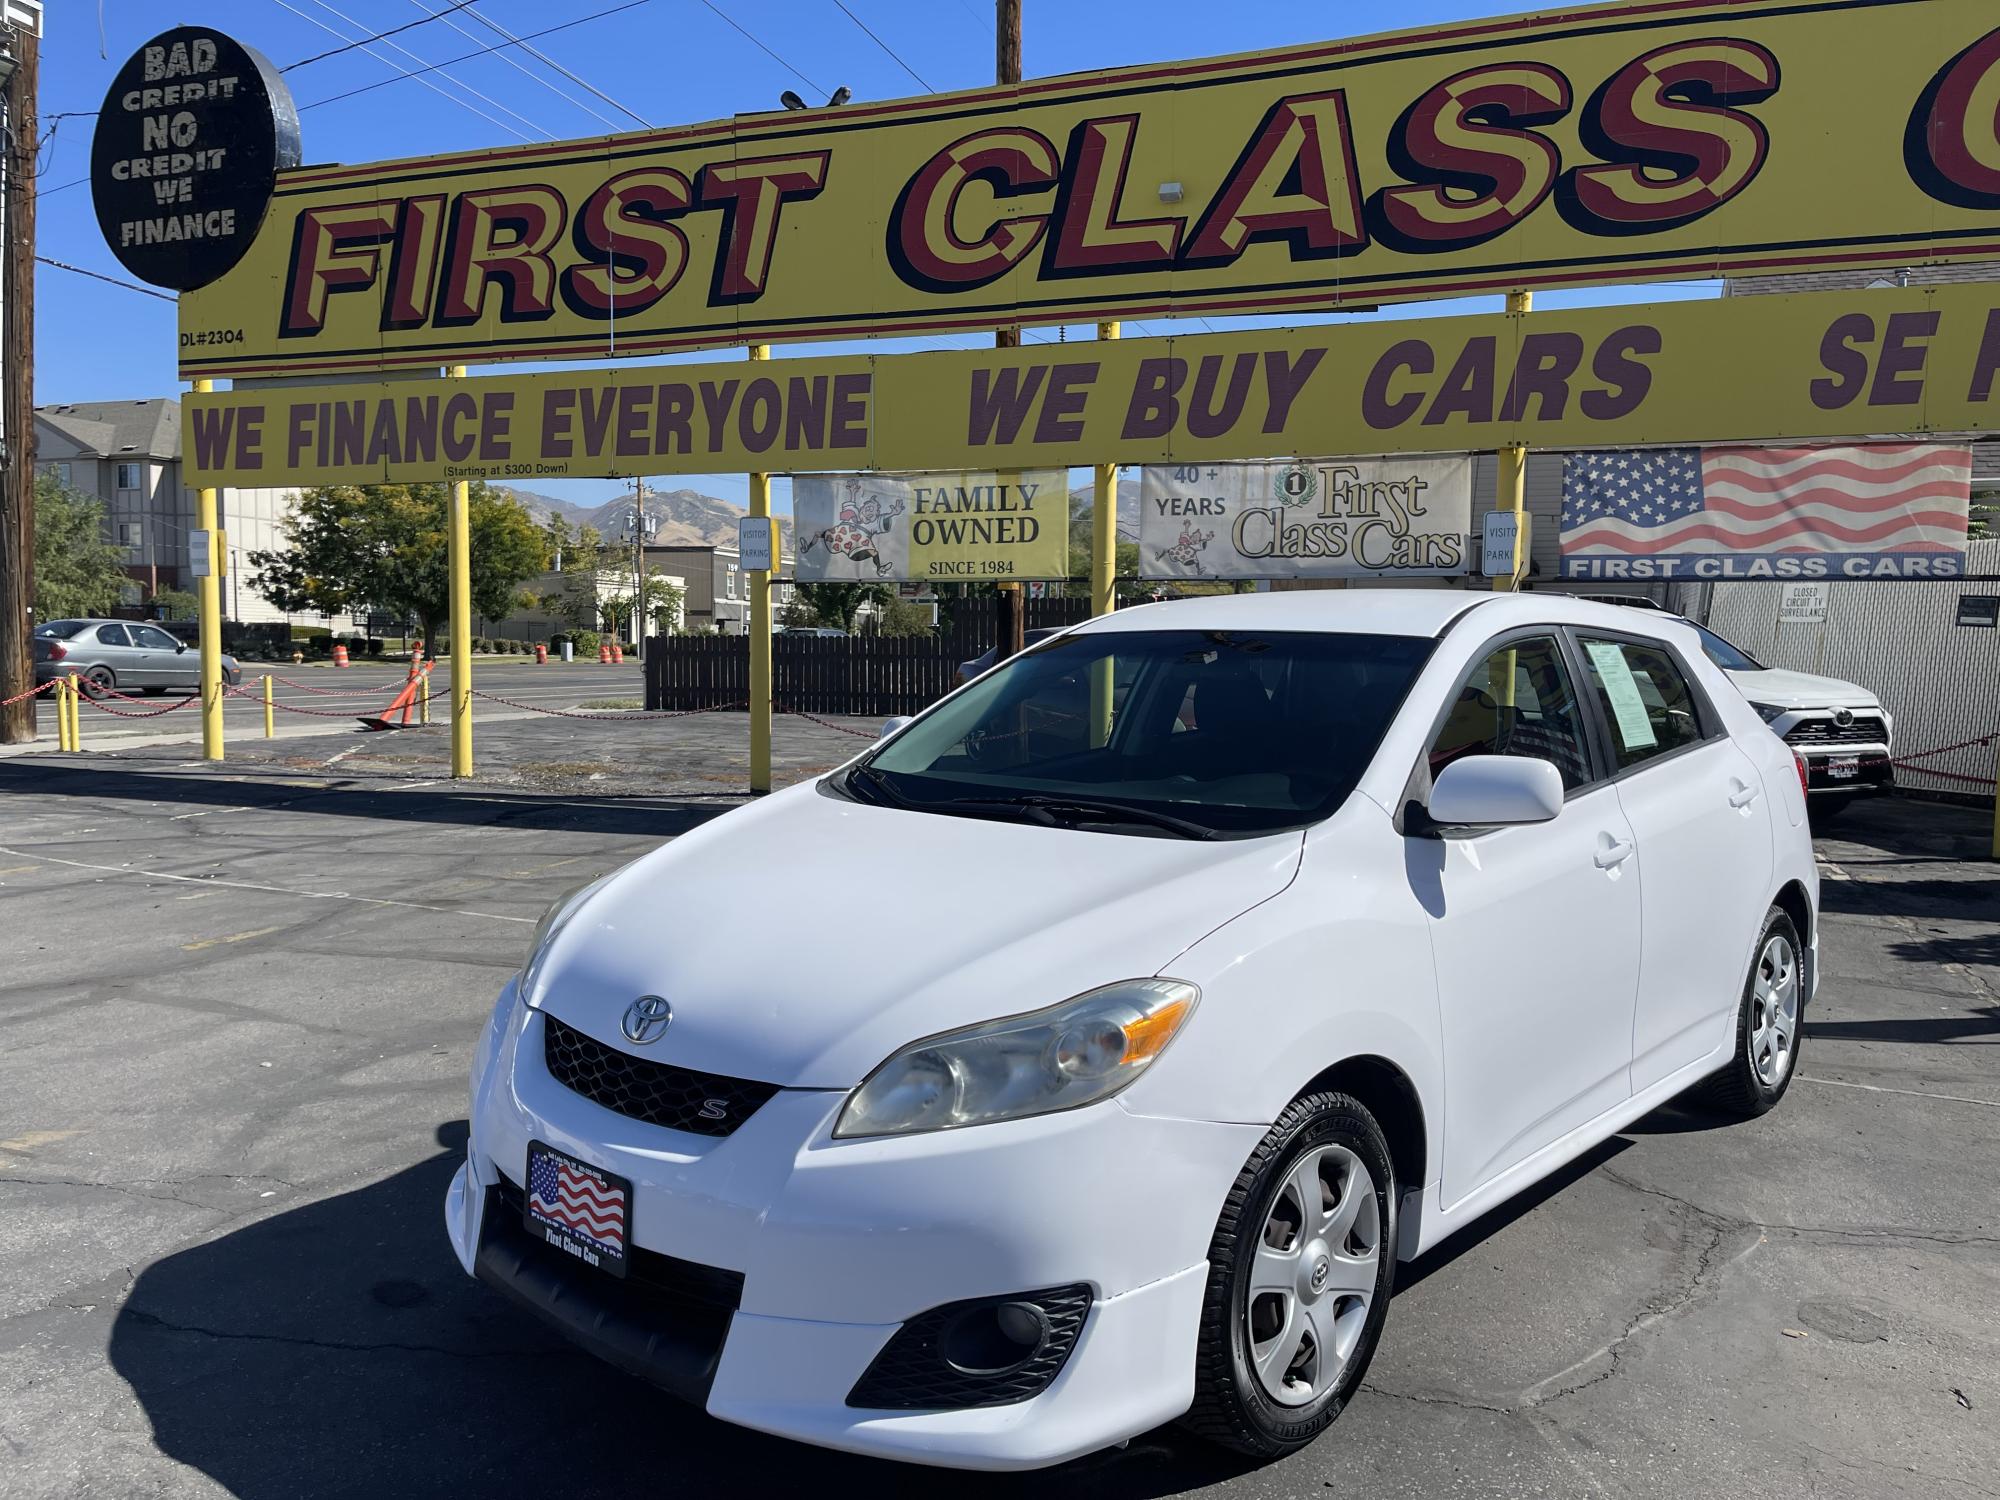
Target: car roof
1381 611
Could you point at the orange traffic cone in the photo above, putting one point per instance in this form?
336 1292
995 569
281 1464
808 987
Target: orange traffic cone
419 669
603 654
617 655
541 654
339 654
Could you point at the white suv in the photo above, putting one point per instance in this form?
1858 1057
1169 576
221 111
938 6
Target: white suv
1840 729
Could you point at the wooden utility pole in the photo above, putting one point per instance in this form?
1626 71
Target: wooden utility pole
1013 622
17 373
638 567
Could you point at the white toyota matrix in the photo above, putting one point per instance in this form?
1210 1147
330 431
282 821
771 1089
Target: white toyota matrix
1111 1030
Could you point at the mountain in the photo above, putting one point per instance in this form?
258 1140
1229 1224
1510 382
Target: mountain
676 517
1084 497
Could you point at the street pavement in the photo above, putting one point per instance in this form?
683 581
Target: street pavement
235 1022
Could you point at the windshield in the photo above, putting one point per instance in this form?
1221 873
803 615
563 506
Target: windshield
1724 655
1189 733
60 630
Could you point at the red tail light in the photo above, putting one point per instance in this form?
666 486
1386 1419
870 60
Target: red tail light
1805 776
57 651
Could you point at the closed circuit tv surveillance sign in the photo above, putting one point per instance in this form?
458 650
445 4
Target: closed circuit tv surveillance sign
188 148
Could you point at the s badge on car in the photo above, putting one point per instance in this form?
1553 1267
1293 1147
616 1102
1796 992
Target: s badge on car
647 1019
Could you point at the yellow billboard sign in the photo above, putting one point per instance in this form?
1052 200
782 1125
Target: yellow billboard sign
953 527
1734 369
1661 139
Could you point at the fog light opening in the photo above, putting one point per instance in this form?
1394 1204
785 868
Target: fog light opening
994 1339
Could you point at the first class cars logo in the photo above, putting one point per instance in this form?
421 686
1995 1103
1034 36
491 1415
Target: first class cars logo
647 1019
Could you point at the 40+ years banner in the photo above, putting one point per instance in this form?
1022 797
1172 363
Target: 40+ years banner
1326 518
1649 140
935 528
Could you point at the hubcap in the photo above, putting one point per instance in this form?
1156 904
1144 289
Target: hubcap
1774 1011
1313 1277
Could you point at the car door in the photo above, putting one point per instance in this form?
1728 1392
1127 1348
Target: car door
1697 808
1534 929
166 663
112 647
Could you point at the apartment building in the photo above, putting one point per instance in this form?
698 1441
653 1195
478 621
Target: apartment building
127 454
718 590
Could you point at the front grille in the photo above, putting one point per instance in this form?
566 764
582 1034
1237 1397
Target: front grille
659 1094
913 1373
679 1285
1867 729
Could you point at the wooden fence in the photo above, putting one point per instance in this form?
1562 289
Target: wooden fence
872 675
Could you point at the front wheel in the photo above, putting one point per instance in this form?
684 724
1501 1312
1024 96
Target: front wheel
1300 1272
1769 1024
99 680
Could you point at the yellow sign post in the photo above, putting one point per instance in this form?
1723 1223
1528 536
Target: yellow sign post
1659 140
760 628
1513 474
1916 360
458 549
208 595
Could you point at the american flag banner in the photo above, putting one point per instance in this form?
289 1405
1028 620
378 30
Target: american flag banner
577 1202
1886 510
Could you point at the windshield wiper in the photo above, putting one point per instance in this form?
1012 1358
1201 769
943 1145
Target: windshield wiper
879 791
1051 810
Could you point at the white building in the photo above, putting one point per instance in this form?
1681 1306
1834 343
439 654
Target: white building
128 455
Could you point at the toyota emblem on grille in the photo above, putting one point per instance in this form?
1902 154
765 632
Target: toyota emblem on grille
647 1019
1843 718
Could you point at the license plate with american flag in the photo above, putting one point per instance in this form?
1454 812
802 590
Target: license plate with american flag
582 1210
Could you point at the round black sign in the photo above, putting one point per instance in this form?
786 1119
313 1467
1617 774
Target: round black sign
189 145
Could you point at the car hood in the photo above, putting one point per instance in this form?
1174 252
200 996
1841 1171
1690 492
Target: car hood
1801 690
804 939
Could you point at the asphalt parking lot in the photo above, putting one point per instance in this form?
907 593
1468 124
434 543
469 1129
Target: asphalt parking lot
235 1022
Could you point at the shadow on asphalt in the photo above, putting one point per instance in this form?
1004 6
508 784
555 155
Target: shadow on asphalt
339 1349
355 797
1979 1029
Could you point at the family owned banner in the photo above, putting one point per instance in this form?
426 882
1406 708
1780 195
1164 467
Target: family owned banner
949 527
1322 518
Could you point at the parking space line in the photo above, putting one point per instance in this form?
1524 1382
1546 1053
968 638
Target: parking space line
235 937
1872 1088
280 890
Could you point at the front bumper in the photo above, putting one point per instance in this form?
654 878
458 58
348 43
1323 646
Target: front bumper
1859 770
832 1245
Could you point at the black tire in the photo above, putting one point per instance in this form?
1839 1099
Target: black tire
97 679
1231 1406
1741 1089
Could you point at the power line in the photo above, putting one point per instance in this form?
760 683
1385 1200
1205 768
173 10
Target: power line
492 25
130 286
766 50
406 26
386 62
452 78
516 64
841 4
369 88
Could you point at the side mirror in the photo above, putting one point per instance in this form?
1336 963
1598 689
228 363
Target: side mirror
893 725
180 648
1495 791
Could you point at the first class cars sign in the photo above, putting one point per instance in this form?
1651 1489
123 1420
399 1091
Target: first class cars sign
189 144
1663 139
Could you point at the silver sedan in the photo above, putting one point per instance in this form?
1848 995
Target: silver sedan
128 656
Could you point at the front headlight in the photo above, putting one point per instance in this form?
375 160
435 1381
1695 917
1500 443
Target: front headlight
1771 711
553 921
1076 1053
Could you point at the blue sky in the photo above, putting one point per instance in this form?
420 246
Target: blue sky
666 61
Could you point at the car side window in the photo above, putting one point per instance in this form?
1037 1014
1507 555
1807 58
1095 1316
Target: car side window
111 635
1518 701
1645 698
153 638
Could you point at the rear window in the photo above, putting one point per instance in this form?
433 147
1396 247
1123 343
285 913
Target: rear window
60 630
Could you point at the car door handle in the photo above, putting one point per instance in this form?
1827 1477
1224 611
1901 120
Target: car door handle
1611 852
1743 795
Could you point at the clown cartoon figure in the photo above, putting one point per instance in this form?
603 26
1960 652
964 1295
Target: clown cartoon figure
1186 553
863 520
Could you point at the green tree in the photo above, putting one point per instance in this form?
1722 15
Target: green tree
903 617
384 547
834 604
179 604
77 572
